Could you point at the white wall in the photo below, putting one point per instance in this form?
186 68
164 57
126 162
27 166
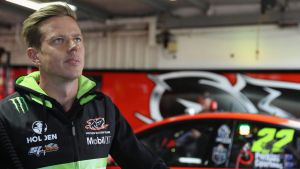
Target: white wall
126 50
208 48
235 47
12 42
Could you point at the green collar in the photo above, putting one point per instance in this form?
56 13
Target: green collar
31 82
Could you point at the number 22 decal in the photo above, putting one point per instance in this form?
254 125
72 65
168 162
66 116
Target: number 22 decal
282 138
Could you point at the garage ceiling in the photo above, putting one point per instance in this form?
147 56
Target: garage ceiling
170 13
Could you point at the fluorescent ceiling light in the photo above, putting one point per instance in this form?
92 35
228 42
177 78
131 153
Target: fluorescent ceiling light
36 6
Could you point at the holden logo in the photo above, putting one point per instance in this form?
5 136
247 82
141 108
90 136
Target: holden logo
39 127
96 124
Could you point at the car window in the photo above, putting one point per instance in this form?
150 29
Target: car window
264 146
195 143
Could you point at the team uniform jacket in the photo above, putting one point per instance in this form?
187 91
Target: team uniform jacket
35 131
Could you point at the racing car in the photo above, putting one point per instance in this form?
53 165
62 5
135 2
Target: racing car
225 140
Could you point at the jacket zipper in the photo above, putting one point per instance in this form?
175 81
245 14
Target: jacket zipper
76 156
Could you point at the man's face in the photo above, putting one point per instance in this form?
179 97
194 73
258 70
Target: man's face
62 51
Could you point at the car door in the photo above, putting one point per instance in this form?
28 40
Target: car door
197 143
265 146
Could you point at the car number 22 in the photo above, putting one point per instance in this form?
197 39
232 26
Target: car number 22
281 138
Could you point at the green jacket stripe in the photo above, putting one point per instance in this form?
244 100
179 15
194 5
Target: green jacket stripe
20 104
85 164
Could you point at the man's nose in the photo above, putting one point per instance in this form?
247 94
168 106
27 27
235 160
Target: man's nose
73 45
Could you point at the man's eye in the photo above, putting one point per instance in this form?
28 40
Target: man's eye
78 39
58 41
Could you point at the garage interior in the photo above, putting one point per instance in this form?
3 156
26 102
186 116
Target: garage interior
187 57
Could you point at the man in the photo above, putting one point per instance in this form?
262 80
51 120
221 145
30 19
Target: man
56 119
208 104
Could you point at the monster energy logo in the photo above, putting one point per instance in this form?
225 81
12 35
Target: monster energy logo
20 104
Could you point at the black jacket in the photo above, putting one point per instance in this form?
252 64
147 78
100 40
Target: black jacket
35 131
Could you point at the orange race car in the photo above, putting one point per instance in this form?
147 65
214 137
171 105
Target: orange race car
225 141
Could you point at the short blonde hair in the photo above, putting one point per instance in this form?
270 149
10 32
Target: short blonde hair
31 26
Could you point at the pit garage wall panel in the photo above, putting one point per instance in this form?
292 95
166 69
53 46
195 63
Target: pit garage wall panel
243 47
13 43
120 50
146 96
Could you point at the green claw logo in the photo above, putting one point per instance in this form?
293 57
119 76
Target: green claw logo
20 104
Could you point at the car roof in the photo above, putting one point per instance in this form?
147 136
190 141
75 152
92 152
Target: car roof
293 123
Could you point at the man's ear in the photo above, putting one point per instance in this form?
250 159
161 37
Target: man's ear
32 54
